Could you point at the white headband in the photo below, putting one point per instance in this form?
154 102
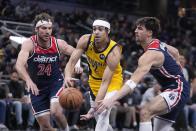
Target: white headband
101 23
43 22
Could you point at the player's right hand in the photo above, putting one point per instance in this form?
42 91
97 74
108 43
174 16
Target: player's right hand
31 86
69 81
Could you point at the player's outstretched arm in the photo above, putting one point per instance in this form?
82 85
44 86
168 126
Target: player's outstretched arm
75 56
146 61
21 63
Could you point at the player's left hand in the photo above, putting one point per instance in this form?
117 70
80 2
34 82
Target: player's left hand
78 69
89 115
104 105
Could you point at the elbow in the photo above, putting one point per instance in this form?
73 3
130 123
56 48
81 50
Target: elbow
16 67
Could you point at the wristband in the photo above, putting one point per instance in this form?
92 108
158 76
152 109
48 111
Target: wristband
131 84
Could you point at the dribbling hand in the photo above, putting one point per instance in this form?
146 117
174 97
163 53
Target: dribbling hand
69 81
32 87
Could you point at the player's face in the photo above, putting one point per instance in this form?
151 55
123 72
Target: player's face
100 33
44 32
141 34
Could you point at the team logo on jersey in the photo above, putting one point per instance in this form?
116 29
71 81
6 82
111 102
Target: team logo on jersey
172 96
102 56
45 59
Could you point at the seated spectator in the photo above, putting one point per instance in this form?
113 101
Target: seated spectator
20 101
3 95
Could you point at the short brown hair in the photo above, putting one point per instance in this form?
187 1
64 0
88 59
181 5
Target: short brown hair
150 23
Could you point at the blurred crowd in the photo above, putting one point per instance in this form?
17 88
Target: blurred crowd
15 107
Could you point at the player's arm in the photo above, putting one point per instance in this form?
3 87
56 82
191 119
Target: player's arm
67 49
64 47
21 62
174 52
146 61
112 61
76 54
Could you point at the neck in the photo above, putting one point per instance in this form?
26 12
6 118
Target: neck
42 43
102 45
146 43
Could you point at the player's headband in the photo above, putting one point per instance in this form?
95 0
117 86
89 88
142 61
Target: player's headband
102 23
43 23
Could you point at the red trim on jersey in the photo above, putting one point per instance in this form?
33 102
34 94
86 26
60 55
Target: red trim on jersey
40 50
59 91
155 44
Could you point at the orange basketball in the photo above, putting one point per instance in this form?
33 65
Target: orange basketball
71 98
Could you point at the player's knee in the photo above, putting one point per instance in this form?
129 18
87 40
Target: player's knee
45 127
145 114
56 114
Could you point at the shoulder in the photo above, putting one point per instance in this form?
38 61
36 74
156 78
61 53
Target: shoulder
27 44
60 41
85 38
83 41
151 57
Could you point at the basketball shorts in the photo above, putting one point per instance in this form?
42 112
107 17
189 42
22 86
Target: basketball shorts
176 100
47 94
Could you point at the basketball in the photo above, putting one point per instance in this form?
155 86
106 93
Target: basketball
71 98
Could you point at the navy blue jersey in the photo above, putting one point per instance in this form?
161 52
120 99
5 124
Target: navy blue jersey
169 75
44 64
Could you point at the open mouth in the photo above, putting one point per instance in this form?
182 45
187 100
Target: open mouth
97 38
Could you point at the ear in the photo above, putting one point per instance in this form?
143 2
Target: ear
108 31
149 33
36 29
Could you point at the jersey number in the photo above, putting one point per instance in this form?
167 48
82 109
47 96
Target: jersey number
44 69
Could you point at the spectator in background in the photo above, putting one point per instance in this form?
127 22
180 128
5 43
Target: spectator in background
184 69
20 101
3 95
17 92
22 10
191 116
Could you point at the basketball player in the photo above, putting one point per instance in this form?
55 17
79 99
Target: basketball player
105 75
38 65
160 60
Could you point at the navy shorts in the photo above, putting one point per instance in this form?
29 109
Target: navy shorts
47 94
176 100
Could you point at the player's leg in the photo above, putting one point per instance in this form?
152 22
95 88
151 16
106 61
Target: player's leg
156 106
44 122
161 124
41 111
167 105
57 112
103 118
55 108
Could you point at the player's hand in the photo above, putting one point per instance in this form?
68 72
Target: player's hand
69 81
78 70
89 115
104 105
31 86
